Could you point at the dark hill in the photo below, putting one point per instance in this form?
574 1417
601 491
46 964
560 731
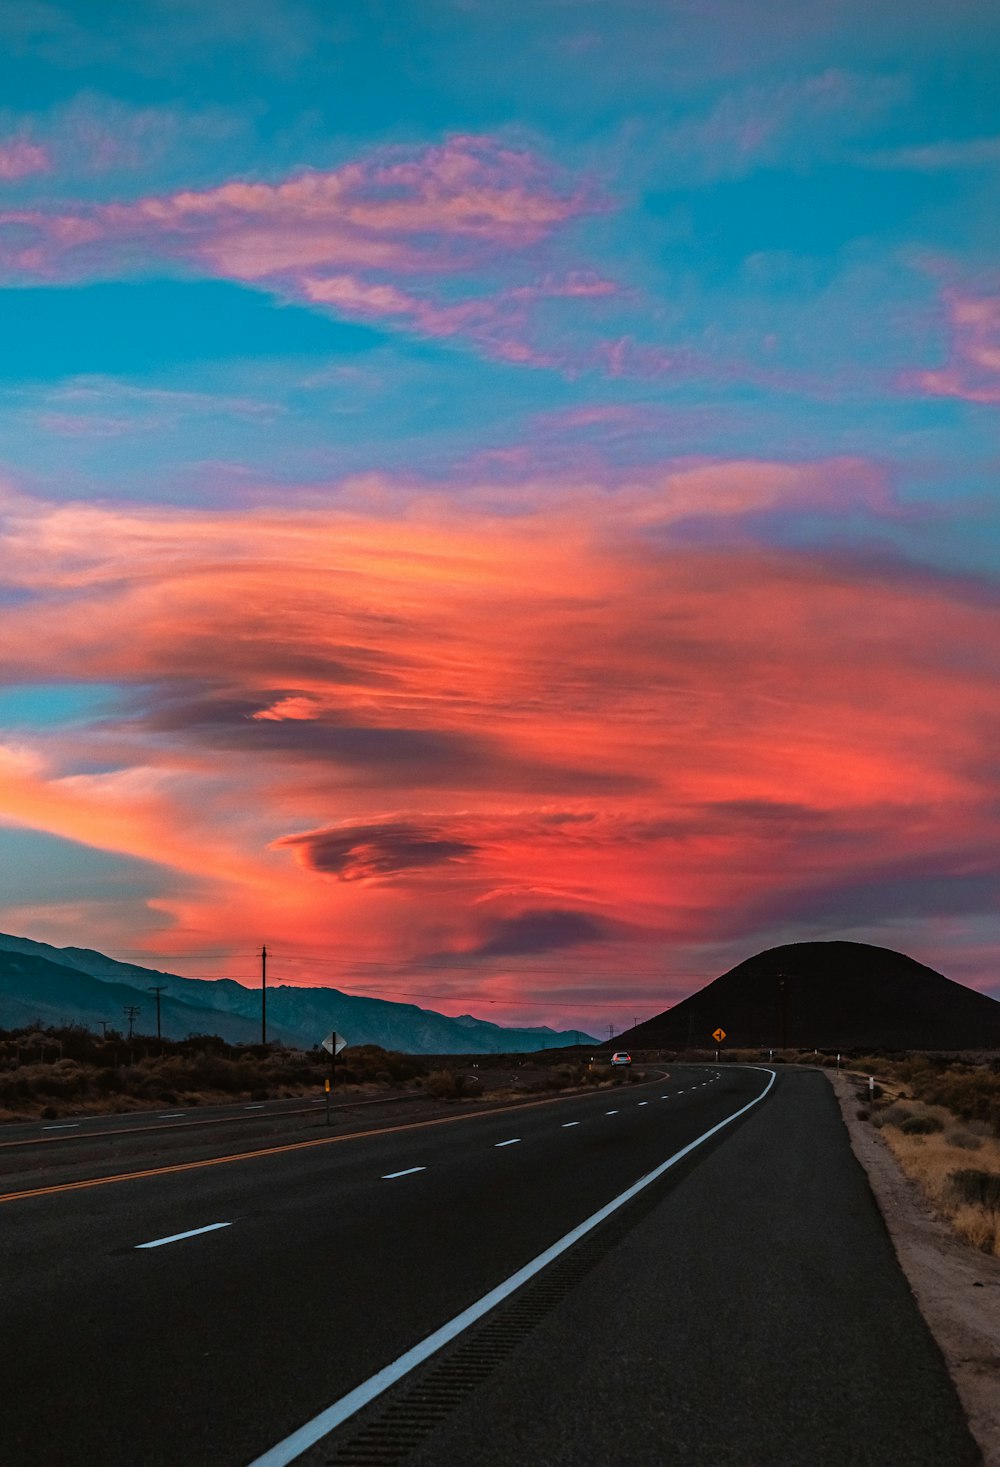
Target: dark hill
832 995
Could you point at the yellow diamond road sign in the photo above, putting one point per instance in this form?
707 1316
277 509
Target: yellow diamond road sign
718 1035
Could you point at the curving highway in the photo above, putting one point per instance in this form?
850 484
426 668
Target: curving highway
687 1271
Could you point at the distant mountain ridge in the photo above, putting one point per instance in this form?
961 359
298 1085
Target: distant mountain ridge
832 995
77 985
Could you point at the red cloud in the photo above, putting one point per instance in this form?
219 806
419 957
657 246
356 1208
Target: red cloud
577 707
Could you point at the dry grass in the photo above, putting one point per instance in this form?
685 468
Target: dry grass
932 1161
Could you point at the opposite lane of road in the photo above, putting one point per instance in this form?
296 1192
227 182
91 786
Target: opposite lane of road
327 1271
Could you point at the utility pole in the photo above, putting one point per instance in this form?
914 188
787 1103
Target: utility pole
611 1031
263 995
161 989
131 1012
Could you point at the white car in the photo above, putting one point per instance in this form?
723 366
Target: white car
621 1057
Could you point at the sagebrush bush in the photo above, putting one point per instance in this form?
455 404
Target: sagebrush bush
921 1126
964 1140
977 1187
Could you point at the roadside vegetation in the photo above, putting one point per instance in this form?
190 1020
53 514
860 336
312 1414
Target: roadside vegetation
940 1118
50 1073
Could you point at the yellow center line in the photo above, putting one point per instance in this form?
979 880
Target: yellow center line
190 1166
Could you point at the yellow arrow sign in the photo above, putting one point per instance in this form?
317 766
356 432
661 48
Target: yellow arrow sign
718 1035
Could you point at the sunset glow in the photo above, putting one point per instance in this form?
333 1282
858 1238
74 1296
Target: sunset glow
528 546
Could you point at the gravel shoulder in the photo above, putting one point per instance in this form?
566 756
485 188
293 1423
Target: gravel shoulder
957 1289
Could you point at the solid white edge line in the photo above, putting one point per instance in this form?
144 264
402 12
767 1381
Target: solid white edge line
391 1176
176 1237
320 1426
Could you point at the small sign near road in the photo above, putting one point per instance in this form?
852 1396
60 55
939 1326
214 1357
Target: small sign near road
334 1043
718 1035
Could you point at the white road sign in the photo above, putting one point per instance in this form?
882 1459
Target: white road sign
334 1043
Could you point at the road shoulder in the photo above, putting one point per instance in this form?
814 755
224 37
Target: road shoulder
956 1288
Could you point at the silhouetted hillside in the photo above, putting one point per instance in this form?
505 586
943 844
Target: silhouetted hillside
33 989
77 992
834 995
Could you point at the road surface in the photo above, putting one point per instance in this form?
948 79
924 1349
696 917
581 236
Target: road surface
744 1308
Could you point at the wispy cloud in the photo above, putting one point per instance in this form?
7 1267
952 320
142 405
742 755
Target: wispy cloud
20 158
789 123
409 209
972 371
416 238
940 156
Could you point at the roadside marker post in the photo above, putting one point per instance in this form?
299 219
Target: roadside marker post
333 1044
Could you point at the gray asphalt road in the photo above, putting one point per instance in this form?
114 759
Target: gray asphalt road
745 1308
44 1134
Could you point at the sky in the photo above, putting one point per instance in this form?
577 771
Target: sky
498 501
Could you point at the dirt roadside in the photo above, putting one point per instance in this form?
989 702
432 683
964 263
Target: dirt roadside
956 1288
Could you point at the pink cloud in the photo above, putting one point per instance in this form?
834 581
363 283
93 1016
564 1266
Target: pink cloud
500 323
20 158
413 210
972 371
343 239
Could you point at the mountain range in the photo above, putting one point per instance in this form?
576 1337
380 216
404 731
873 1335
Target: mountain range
74 985
832 995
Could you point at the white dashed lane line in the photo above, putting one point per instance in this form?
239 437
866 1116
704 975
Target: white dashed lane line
610 1112
259 1106
63 1126
643 1102
171 1115
176 1237
408 1172
512 1142
567 1124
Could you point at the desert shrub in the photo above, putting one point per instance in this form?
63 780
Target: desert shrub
964 1140
863 1113
896 1115
445 1084
921 1126
977 1187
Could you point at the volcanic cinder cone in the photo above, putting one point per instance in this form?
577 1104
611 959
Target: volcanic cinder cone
832 995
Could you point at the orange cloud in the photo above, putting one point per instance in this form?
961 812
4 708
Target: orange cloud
590 727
